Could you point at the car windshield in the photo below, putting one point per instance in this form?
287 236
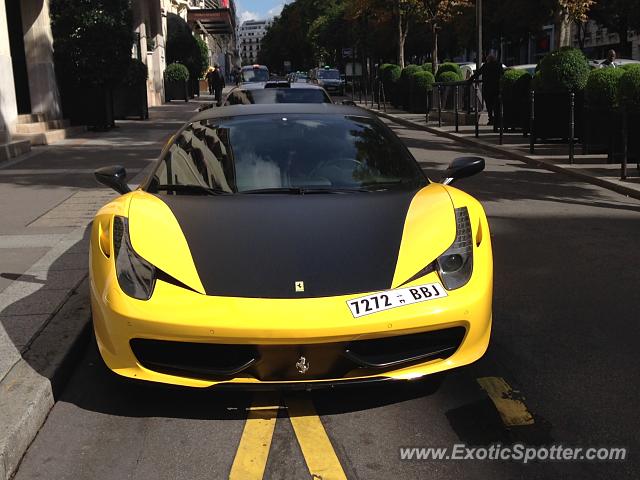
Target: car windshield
329 74
292 153
277 95
255 75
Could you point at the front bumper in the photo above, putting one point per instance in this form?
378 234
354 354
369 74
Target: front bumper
280 331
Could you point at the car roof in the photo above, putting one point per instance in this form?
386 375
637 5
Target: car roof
281 108
262 85
254 67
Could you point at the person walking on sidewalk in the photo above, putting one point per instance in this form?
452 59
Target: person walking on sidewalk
218 83
209 77
491 72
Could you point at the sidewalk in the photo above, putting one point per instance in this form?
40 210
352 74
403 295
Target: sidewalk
47 200
551 156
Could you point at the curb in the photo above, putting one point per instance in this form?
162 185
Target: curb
28 391
579 174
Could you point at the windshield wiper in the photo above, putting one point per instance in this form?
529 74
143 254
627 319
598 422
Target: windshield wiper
192 189
306 190
289 190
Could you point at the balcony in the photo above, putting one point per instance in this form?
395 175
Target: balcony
213 21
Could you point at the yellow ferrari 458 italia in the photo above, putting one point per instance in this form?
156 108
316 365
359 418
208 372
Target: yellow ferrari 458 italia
289 246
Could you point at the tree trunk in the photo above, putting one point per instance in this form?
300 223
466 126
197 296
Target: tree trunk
401 38
434 49
562 28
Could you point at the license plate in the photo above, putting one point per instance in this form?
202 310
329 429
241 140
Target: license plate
399 297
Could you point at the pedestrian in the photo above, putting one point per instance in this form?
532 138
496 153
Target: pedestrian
608 62
218 83
491 72
209 77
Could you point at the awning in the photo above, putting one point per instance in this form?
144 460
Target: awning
212 21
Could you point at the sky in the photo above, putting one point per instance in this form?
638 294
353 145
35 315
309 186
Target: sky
258 9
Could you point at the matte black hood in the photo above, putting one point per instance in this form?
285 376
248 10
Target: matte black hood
259 246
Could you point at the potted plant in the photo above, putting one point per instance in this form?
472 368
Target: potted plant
404 85
130 96
422 86
602 122
561 73
514 88
629 99
447 73
92 47
176 77
390 77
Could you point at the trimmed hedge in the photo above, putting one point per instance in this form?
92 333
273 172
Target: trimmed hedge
449 77
176 72
629 66
564 70
422 83
449 67
629 90
428 67
601 92
390 77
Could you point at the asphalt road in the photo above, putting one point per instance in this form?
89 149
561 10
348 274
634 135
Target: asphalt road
565 339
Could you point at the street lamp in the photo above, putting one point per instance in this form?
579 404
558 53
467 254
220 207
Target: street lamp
478 34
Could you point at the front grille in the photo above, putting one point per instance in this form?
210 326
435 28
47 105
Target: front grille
281 362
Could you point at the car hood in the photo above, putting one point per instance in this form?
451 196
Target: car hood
263 246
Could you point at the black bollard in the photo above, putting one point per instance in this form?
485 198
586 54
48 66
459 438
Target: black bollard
455 108
625 146
439 106
501 113
572 125
477 108
532 120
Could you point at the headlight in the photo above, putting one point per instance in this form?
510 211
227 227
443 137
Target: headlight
136 276
456 264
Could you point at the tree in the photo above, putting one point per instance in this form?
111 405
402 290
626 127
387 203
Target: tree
439 12
565 13
619 16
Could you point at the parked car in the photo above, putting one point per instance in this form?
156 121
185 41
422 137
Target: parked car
254 73
617 62
329 79
530 68
276 92
289 245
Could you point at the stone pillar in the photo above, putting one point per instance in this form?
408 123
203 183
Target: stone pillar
38 45
8 106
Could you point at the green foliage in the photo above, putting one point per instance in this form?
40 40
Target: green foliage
564 70
183 47
601 91
629 90
136 73
449 77
176 72
428 67
449 67
630 66
92 41
514 83
392 74
421 84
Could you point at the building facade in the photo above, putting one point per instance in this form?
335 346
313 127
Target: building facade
250 35
595 40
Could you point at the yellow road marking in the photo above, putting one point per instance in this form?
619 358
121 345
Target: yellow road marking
318 452
253 451
512 410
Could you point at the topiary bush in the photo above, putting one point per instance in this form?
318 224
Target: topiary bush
136 73
404 85
601 92
449 67
514 88
629 90
509 79
449 77
422 83
428 67
176 72
390 76
629 66
564 70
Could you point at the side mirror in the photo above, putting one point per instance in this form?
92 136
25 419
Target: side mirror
350 103
462 167
113 177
